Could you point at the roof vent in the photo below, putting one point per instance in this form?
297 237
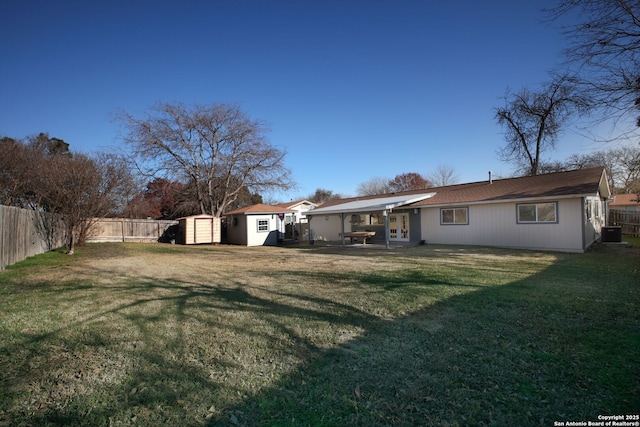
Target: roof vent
490 178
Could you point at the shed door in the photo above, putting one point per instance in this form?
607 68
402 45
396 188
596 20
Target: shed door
203 230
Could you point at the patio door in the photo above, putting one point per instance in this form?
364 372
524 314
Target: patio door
399 226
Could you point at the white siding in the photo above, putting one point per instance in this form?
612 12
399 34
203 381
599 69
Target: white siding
496 225
260 238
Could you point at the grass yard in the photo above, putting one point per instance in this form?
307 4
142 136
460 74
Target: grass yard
151 334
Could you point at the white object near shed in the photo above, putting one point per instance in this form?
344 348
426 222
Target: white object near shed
199 229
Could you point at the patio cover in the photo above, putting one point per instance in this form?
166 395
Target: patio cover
378 204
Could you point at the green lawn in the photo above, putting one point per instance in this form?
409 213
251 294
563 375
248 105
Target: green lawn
151 334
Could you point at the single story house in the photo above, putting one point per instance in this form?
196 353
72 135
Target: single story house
562 211
257 225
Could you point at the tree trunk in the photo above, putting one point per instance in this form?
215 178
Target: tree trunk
72 240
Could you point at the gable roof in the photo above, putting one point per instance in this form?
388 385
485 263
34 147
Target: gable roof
292 204
259 208
576 183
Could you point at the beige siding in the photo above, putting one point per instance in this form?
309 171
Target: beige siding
496 225
237 230
327 227
200 229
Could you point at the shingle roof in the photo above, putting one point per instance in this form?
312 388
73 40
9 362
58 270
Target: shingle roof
581 182
625 200
293 203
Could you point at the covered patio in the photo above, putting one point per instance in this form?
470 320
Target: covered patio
393 226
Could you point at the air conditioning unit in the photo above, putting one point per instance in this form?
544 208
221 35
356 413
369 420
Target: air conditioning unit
612 234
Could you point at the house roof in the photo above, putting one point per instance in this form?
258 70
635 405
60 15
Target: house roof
292 204
259 208
577 183
625 200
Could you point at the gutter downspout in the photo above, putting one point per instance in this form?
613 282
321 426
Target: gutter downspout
309 229
342 227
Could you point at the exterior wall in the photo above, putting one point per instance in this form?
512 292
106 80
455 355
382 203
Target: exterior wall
237 230
496 225
300 211
327 227
262 238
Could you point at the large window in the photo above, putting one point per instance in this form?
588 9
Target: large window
263 225
454 216
538 213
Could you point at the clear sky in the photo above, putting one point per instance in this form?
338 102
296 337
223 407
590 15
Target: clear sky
351 89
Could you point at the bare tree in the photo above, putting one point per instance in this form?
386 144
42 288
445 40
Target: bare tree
627 158
321 195
408 181
81 188
534 120
215 149
605 47
13 159
443 175
374 186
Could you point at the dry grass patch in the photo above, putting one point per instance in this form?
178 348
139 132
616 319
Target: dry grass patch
125 334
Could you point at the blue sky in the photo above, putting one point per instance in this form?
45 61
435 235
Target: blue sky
351 89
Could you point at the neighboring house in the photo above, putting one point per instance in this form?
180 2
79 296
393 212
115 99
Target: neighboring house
563 211
627 202
295 222
257 225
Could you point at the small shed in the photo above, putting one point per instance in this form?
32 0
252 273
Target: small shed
257 225
199 229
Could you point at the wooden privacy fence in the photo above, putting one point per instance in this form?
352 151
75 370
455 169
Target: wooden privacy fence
131 230
629 221
25 233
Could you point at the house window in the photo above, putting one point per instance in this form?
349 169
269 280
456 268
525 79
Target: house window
538 213
454 216
263 225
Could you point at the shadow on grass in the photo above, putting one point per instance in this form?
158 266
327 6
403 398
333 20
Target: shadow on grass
169 352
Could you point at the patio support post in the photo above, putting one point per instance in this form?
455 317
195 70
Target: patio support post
309 229
386 228
342 227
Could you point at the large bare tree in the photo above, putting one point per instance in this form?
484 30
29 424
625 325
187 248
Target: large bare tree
604 47
534 120
215 149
